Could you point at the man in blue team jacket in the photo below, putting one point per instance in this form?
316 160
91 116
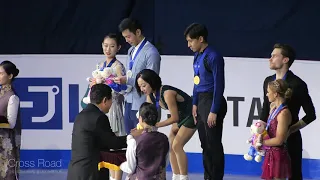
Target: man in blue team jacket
209 104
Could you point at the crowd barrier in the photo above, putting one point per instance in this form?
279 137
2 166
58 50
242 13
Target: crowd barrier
51 87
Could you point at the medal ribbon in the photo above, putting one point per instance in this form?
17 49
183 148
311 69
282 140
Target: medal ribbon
198 62
134 58
109 65
273 114
156 100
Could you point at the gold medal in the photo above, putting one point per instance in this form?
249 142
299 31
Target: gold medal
196 80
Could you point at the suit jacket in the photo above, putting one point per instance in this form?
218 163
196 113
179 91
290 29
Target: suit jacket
148 58
91 134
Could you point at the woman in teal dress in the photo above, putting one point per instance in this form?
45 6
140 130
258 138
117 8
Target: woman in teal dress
179 105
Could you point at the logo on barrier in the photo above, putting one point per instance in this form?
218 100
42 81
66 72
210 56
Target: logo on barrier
40 102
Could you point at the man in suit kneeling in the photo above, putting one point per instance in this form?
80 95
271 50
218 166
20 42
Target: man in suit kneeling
91 134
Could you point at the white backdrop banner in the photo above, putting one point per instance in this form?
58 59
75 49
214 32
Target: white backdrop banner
52 87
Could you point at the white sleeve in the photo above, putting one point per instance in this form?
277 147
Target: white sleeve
129 166
12 110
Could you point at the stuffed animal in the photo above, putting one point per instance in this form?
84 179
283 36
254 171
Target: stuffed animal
259 133
96 75
106 76
120 88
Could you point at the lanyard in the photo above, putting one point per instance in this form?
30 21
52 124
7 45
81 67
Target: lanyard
134 58
273 114
156 100
109 65
197 62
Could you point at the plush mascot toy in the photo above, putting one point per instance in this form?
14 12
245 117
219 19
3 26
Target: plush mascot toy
120 88
106 76
259 133
96 75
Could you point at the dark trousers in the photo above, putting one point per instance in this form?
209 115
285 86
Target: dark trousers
104 174
211 138
130 118
294 144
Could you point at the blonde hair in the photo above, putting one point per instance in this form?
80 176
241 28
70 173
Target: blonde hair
281 87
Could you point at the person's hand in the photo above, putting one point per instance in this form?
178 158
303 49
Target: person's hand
92 82
159 125
136 132
120 80
212 119
194 114
133 129
258 142
258 148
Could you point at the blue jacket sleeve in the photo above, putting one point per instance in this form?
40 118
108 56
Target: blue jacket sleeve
217 65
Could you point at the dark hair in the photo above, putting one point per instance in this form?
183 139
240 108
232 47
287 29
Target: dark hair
10 68
286 51
281 87
151 77
113 36
195 30
99 92
130 24
148 113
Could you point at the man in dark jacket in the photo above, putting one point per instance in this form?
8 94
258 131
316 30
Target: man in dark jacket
91 134
282 57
